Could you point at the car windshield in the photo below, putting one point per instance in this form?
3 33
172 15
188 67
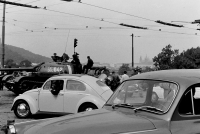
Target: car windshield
149 95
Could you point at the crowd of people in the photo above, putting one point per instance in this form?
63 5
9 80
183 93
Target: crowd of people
112 79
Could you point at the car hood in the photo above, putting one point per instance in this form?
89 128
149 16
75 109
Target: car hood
100 121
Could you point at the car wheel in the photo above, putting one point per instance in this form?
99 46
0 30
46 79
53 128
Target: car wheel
87 107
25 86
22 109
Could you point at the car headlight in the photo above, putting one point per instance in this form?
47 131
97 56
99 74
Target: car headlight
11 129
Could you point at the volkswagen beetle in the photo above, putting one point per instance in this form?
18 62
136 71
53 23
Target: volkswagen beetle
63 94
160 102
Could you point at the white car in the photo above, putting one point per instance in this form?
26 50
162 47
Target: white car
63 94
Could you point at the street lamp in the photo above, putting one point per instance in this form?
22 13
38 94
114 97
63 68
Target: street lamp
133 49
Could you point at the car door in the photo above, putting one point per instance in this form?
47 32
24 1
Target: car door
75 91
50 102
186 118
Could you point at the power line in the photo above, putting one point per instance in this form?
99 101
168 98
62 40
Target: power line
25 3
117 11
161 22
17 4
98 19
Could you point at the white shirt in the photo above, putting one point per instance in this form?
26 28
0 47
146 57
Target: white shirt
124 77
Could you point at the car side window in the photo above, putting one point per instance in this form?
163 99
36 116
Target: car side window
49 85
190 101
74 85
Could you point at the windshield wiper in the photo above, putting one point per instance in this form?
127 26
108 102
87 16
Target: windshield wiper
127 105
148 108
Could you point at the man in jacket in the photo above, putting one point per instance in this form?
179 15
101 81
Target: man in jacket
88 65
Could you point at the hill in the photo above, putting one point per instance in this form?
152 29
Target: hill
19 54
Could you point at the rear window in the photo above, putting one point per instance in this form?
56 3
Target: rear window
74 85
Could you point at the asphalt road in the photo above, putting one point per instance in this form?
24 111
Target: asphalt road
6 99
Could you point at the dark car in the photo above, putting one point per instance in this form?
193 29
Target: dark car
160 102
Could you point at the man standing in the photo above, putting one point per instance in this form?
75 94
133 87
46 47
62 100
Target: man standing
56 58
77 64
88 65
115 81
124 77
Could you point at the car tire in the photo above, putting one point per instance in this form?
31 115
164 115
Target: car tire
22 109
87 107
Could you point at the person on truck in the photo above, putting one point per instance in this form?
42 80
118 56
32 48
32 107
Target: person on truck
77 64
88 65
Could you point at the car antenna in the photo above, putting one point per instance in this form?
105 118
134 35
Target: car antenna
67 41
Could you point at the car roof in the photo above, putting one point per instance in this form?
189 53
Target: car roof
90 80
83 77
185 77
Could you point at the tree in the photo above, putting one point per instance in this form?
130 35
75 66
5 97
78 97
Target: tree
188 59
181 62
165 59
25 63
9 63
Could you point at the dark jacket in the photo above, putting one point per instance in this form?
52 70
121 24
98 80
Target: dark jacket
90 63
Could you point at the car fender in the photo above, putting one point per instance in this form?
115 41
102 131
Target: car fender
32 102
92 99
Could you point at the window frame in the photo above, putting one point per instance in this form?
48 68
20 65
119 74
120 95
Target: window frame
176 115
43 89
111 100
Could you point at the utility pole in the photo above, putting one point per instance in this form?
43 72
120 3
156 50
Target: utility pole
3 35
132 51
3 24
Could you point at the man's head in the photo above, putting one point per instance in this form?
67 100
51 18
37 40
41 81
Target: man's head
125 72
54 54
88 57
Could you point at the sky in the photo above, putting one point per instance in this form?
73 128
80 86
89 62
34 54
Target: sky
53 27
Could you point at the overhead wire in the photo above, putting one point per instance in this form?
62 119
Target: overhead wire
165 23
103 19
135 15
117 11
23 9
99 28
107 21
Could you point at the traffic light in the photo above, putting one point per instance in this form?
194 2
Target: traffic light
75 42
